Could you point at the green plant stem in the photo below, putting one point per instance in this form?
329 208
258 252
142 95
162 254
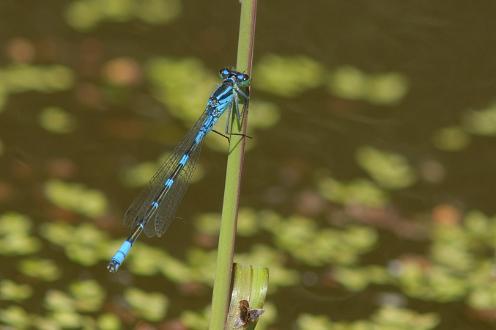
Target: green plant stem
225 251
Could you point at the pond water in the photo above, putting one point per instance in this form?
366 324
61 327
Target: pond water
368 185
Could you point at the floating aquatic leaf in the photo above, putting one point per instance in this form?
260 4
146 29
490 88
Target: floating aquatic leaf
18 244
176 271
287 76
196 320
183 85
150 306
348 82
389 169
263 114
313 322
386 88
140 174
88 245
383 89
483 296
12 291
357 278
85 254
86 14
109 322
88 295
44 269
158 11
84 244
436 283
83 15
400 318
44 323
15 317
265 256
56 300
481 122
481 228
202 265
76 197
14 223
57 233
358 191
145 260
315 246
56 120
247 222
21 78
208 223
451 139
68 319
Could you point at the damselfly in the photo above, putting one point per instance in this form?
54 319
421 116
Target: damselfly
153 211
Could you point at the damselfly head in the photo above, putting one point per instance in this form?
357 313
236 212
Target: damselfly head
242 77
224 73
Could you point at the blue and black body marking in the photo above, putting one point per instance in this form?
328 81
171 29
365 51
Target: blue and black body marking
153 211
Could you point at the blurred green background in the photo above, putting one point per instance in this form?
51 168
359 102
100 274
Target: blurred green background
368 187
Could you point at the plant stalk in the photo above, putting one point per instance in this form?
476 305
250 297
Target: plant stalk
225 251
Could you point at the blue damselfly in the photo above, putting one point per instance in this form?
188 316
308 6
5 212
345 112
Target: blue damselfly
153 210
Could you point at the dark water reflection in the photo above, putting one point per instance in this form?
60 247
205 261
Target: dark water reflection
107 121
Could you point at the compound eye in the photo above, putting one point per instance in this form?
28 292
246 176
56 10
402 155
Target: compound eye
242 77
224 73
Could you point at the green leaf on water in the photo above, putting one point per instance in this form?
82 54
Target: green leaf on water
67 319
12 291
451 139
21 78
386 88
184 94
208 223
313 322
88 295
150 306
56 120
390 317
157 11
265 256
483 297
481 122
76 197
57 233
381 89
390 170
87 14
56 300
287 76
43 269
109 322
14 235
14 223
15 317
348 82
139 175
196 320
356 192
